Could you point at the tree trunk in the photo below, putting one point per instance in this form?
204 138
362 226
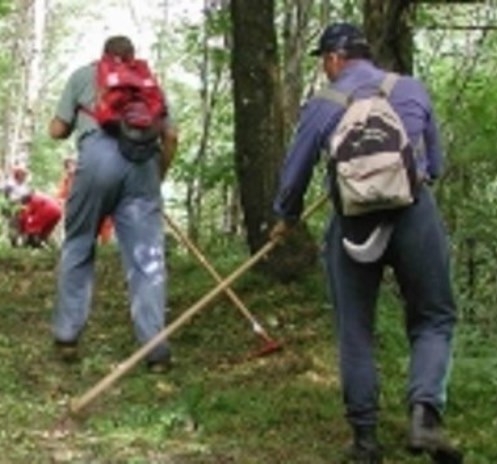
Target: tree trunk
387 26
297 15
259 129
34 75
259 142
21 105
230 210
211 76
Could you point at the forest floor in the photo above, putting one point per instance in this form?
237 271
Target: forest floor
217 405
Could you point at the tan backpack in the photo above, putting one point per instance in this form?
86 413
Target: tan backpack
371 161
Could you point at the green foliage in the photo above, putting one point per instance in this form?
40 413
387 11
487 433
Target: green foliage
205 164
46 163
459 68
5 7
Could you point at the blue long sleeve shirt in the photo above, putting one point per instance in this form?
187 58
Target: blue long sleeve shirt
319 118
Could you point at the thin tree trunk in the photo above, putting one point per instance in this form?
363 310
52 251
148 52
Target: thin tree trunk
25 80
209 94
297 15
34 75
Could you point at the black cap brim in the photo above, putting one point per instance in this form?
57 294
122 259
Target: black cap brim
328 48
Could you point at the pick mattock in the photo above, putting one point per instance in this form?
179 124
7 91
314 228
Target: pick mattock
76 405
270 345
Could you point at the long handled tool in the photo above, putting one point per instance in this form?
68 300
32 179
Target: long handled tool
78 404
270 345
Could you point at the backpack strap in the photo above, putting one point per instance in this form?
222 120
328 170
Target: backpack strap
385 90
327 93
388 84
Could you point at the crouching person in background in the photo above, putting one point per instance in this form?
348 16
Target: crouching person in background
37 218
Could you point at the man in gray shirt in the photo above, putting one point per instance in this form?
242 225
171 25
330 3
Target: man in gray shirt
108 184
416 250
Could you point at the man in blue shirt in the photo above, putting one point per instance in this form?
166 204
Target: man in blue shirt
416 249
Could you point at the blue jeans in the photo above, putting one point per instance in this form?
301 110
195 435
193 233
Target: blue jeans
418 254
106 184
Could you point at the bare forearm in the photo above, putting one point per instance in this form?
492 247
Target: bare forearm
169 145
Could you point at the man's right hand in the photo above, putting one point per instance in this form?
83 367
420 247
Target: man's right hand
279 231
59 129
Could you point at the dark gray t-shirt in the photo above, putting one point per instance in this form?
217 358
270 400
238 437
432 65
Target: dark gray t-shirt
78 92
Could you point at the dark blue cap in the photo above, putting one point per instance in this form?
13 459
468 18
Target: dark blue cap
340 36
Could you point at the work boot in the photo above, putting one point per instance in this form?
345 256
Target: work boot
365 449
161 365
425 435
66 352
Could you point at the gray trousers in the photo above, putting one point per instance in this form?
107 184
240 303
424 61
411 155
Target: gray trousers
106 184
418 254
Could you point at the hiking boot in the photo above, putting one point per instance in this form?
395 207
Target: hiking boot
447 455
160 366
425 435
424 431
66 352
365 449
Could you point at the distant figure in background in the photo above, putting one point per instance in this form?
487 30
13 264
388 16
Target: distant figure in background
118 174
17 184
32 215
106 229
15 188
37 218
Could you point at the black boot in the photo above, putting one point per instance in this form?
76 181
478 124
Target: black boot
365 448
425 435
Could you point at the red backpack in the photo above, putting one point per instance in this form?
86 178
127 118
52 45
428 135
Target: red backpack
129 101
127 90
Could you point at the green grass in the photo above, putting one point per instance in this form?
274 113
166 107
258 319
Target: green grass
218 405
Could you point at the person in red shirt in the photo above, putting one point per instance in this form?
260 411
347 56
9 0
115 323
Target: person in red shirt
38 217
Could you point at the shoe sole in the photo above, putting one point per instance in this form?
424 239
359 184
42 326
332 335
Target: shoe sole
159 367
447 456
439 453
67 352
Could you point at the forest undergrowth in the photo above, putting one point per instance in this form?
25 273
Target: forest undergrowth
219 404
